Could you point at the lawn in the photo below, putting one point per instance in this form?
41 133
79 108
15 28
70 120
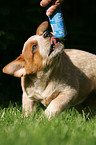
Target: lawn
68 128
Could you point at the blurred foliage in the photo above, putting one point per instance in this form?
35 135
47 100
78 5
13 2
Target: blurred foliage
19 20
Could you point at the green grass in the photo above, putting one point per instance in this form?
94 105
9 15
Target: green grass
68 128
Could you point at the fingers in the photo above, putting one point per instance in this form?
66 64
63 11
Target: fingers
53 7
44 3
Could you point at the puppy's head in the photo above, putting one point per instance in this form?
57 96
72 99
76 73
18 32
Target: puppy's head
37 51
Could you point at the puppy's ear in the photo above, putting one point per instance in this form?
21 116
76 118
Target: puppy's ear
43 27
16 67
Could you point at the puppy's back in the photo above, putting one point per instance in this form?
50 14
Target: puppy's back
85 61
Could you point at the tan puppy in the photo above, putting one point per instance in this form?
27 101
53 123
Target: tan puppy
50 75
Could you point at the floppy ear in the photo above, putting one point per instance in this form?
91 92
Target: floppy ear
43 27
16 67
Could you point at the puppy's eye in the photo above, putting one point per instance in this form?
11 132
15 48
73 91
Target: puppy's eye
34 47
46 34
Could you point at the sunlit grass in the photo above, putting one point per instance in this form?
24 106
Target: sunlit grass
68 128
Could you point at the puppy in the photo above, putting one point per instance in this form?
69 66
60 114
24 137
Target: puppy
56 77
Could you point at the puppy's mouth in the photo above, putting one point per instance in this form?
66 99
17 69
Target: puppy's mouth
54 42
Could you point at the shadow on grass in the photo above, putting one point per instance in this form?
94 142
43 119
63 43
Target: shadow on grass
88 107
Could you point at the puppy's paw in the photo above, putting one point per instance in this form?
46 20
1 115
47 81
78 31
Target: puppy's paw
50 113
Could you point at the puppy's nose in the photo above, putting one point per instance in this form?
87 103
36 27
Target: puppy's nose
51 34
47 34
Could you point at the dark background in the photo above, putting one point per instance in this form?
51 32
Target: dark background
19 20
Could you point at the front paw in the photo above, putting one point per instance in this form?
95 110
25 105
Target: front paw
48 114
51 112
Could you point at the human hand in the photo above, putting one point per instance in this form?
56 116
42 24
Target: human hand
53 7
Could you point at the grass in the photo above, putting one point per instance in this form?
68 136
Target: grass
68 128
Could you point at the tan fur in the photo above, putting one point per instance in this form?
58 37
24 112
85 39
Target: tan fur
33 61
59 80
16 68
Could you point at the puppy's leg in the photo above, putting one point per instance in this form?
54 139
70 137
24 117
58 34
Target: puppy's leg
27 104
62 101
